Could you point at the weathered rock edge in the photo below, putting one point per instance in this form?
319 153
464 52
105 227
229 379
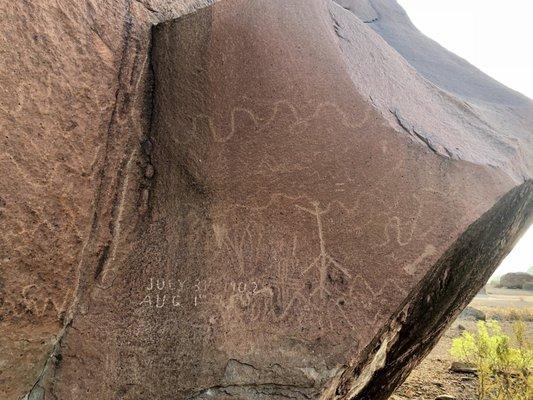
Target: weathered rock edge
437 300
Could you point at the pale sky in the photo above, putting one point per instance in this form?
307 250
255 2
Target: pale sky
494 35
497 37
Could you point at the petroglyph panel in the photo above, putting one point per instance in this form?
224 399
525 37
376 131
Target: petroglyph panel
262 224
270 275
288 185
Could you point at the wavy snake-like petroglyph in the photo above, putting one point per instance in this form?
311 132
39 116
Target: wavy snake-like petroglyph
263 123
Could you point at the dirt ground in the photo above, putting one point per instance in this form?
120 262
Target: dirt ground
433 378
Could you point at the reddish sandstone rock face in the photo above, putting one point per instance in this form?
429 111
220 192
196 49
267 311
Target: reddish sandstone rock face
269 202
74 106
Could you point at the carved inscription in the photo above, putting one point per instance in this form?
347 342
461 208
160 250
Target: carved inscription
170 292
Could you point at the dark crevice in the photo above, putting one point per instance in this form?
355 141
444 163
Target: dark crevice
404 124
337 27
104 255
418 136
410 129
360 17
378 16
147 6
430 145
147 143
371 21
37 391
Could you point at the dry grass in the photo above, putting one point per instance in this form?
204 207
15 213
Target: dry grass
508 313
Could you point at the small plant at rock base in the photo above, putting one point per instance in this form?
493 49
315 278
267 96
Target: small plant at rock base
504 364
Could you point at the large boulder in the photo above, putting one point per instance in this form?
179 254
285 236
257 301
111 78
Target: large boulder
261 200
516 280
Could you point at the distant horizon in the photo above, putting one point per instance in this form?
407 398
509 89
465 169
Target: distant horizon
520 259
468 30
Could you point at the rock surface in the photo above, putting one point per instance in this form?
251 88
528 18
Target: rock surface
473 313
463 368
445 397
278 199
74 104
516 280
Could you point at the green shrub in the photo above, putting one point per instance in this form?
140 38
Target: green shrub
504 365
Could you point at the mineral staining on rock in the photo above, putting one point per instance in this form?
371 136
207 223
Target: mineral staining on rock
284 206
